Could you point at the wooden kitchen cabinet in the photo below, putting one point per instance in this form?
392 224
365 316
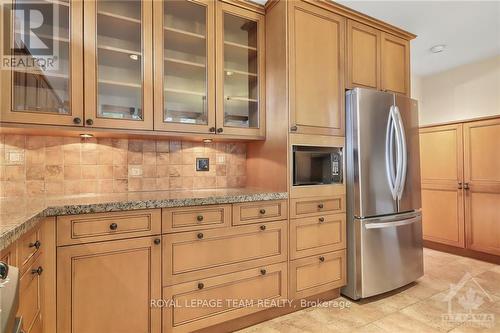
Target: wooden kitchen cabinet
240 108
441 168
108 287
363 56
54 95
395 64
482 176
30 296
316 40
118 64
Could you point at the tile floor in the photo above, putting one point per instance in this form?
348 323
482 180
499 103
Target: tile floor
416 308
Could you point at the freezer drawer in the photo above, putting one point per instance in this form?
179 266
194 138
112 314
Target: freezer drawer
391 252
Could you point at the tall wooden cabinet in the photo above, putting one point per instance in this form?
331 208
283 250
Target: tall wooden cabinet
316 69
53 95
461 184
377 59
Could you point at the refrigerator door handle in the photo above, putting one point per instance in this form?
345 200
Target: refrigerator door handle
404 157
389 153
393 224
399 153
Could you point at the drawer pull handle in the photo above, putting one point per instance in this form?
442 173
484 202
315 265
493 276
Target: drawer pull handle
199 218
321 258
320 206
201 286
36 244
262 227
321 219
157 241
262 211
200 235
113 226
263 272
37 271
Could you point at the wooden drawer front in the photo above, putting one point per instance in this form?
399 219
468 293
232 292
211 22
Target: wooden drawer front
317 206
29 247
193 255
29 294
228 292
85 228
315 235
186 219
311 275
262 211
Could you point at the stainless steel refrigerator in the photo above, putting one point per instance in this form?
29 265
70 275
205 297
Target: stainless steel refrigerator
384 222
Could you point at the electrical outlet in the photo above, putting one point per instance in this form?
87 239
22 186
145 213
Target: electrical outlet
135 171
15 157
202 164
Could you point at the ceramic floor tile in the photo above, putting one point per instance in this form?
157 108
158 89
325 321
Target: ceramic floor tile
399 322
370 328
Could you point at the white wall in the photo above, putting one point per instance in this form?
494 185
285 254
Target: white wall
462 93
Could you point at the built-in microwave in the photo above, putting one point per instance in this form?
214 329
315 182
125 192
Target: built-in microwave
315 165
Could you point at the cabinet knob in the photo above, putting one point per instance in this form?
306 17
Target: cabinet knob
89 122
211 129
320 206
36 244
199 218
263 272
220 130
77 120
157 241
113 226
321 219
466 186
263 227
293 129
262 211
200 235
201 285
37 271
321 258
459 185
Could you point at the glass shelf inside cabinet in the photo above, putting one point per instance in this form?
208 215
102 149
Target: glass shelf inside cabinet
185 62
44 89
241 80
119 59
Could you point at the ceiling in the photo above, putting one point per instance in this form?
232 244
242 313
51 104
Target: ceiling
469 29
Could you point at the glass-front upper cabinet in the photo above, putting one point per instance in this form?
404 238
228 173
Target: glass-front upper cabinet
240 73
42 76
118 64
184 65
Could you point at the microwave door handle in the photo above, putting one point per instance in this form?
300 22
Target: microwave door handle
404 153
389 153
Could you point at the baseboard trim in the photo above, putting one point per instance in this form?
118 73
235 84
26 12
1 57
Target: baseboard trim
463 252
261 316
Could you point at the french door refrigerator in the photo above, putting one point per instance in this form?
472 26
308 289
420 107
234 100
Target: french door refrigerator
384 222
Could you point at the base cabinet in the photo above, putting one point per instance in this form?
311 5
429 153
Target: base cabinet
108 287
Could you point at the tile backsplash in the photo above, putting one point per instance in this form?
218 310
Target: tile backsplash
49 165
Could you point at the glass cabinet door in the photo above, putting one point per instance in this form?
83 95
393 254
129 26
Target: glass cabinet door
240 108
119 65
184 79
46 78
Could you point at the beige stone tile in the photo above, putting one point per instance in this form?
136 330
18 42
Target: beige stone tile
12 188
35 156
149 171
399 323
175 183
105 186
54 141
105 172
149 158
164 171
88 186
54 155
89 171
120 185
105 157
35 172
163 146
119 157
188 158
370 328
54 172
89 157
134 157
35 142
13 141
120 171
490 281
149 184
35 187
165 158
54 187
221 182
15 172
165 183
135 184
72 156
187 182
72 187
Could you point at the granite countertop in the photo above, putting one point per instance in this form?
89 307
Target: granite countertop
20 215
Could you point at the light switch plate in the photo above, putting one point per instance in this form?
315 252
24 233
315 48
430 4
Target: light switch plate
202 164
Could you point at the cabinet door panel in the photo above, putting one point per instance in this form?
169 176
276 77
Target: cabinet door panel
482 174
395 64
108 287
118 64
363 55
441 166
185 65
240 73
316 70
52 95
